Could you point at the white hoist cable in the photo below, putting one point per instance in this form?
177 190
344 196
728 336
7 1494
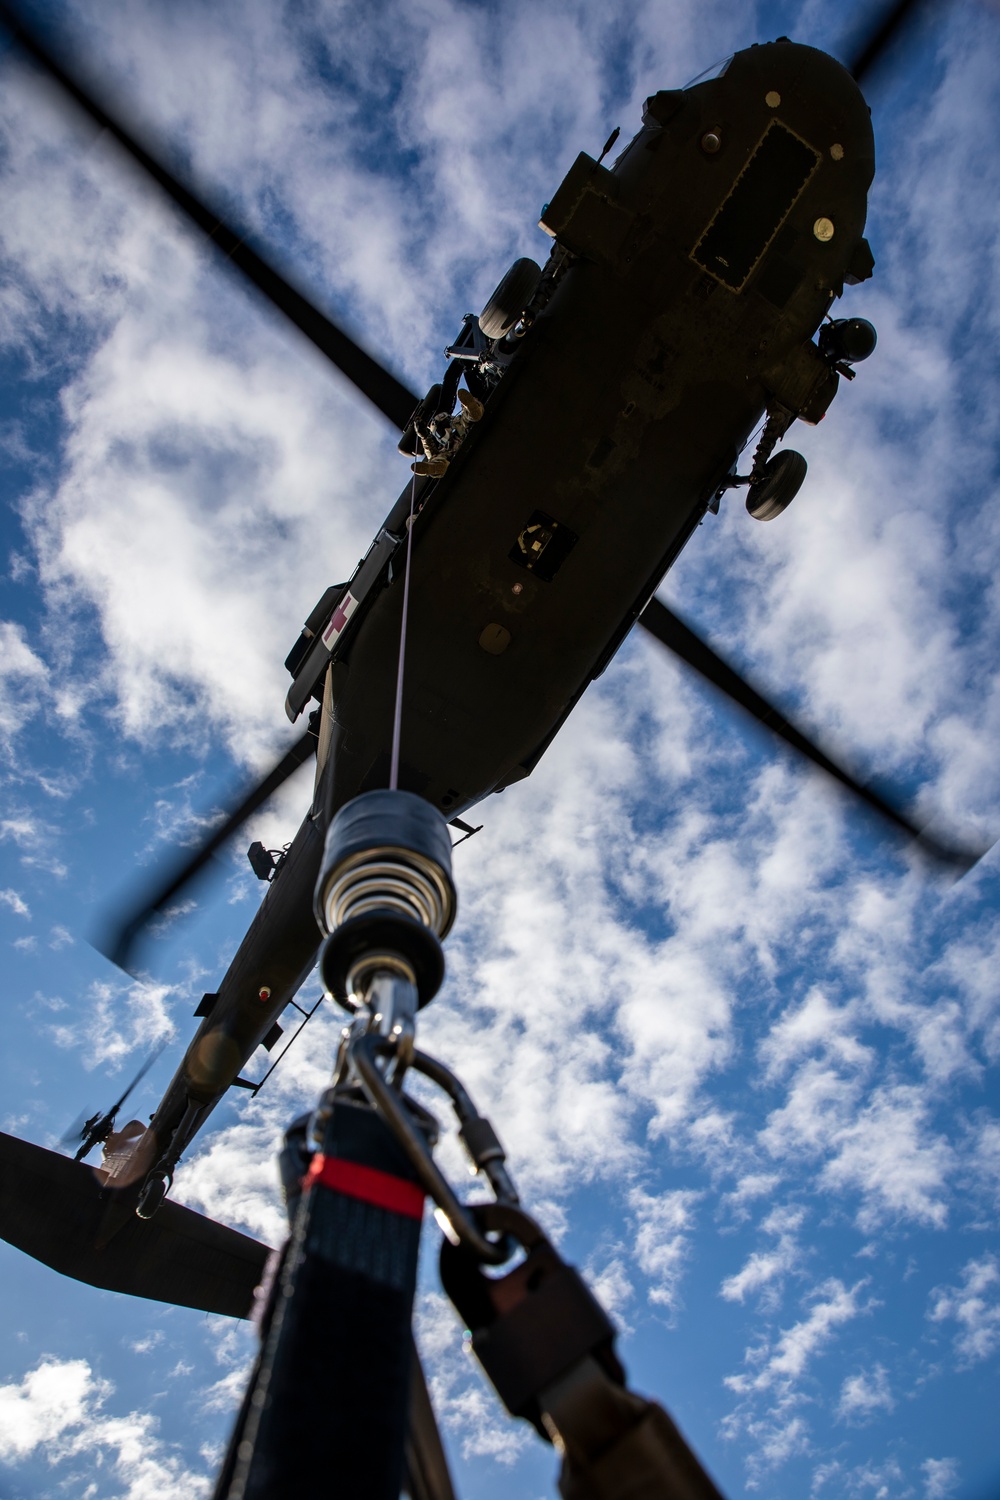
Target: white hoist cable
398 712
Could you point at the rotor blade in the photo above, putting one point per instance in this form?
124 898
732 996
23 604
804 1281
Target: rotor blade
672 632
375 382
150 1060
76 1131
118 941
875 41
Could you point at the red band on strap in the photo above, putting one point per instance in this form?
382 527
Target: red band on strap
368 1184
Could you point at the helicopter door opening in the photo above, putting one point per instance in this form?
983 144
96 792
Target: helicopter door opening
759 202
543 546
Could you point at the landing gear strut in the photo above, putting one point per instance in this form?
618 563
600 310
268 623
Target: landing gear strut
158 1183
772 483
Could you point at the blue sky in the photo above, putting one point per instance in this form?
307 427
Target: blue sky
742 1050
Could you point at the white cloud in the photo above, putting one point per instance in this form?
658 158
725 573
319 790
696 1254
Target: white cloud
16 903
872 1480
118 1018
765 1270
975 1306
234 1347
820 1104
750 1187
940 1477
761 1269
664 1223
880 1145
55 1396
986 1160
149 1342
22 676
613 1287
779 1365
778 1441
59 1408
779 1379
674 1042
969 964
815 1025
864 1394
33 836
234 1178
888 1154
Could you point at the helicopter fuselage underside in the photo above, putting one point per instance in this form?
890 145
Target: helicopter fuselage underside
702 274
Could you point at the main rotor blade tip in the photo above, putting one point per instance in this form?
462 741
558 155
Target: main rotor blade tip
960 859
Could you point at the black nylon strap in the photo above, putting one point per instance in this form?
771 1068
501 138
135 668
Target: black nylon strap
327 1414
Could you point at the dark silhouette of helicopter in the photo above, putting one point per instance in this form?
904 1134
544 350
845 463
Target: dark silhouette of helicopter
585 422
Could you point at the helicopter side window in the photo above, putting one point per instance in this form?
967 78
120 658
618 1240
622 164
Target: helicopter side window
717 70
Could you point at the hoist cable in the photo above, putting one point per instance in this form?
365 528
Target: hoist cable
397 717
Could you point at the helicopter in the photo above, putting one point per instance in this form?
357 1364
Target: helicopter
548 500
543 544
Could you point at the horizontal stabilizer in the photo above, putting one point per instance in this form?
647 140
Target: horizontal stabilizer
52 1208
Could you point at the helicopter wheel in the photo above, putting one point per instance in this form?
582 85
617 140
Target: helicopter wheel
510 298
152 1195
777 486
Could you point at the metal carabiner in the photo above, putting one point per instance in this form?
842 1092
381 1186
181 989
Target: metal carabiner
362 1052
475 1131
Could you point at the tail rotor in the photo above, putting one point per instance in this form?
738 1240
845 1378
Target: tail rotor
88 1133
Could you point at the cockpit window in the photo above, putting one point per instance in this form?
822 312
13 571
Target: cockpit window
715 71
